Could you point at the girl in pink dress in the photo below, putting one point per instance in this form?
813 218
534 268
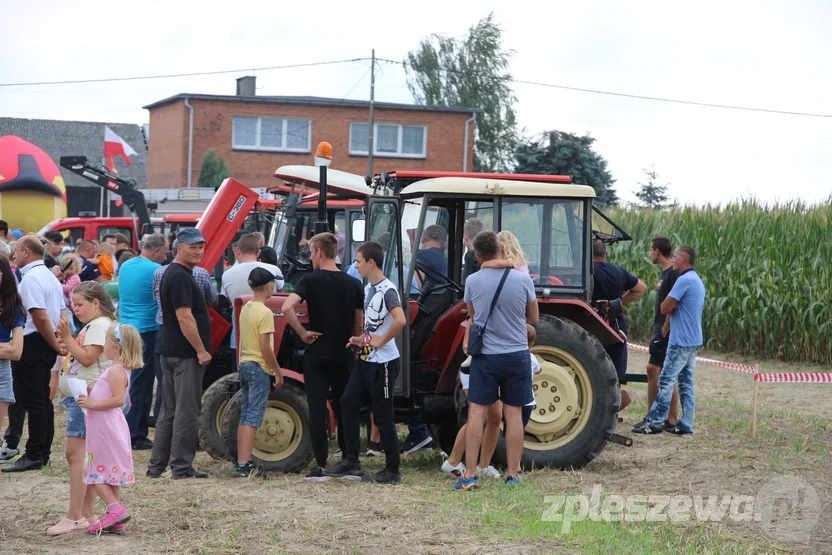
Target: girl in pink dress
108 463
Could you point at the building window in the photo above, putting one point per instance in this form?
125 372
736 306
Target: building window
391 139
272 134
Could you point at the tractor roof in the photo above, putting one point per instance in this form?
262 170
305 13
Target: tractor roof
344 183
499 187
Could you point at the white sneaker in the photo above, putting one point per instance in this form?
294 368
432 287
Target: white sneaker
6 454
457 470
489 472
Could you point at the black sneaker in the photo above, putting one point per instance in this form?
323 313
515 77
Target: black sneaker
143 444
374 449
317 475
645 428
677 431
246 470
385 476
413 445
344 468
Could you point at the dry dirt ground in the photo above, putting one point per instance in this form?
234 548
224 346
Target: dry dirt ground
286 514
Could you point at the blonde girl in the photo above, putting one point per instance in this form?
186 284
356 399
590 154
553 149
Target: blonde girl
109 457
86 361
512 251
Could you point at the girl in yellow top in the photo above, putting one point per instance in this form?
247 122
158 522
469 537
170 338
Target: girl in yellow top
85 361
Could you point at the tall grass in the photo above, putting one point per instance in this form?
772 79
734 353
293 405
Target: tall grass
767 271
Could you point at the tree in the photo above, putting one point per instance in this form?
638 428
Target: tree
559 153
472 72
213 170
650 194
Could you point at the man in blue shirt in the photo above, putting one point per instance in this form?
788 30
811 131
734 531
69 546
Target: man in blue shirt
138 308
683 306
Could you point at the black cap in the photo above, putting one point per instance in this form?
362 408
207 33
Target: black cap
260 277
268 255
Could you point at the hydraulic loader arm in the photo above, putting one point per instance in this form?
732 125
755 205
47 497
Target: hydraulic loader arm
125 188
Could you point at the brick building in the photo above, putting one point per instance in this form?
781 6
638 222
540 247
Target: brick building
257 134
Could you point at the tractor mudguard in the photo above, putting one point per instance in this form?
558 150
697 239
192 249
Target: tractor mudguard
582 314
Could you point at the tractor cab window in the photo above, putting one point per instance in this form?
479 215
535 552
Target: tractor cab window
551 234
384 228
431 252
479 216
338 229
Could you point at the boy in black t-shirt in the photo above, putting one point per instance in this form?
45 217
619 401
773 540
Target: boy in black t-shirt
334 301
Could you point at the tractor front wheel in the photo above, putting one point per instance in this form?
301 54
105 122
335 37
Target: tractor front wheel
577 397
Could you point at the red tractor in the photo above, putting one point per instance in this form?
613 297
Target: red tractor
578 394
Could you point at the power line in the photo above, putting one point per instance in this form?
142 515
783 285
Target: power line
406 64
146 77
626 95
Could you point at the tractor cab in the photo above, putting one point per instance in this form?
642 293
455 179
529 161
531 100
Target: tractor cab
555 223
296 214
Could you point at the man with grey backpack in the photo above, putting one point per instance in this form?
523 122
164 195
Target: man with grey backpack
500 304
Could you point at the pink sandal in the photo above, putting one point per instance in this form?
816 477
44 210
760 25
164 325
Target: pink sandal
65 526
110 520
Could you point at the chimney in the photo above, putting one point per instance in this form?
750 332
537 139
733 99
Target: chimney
247 85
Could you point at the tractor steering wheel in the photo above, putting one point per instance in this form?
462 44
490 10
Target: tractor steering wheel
297 263
442 279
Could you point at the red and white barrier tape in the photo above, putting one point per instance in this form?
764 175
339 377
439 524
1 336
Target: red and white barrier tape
795 377
721 363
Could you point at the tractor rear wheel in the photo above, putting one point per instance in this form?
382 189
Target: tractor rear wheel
214 402
578 399
283 440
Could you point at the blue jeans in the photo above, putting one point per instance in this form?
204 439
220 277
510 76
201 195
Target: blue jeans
75 423
255 387
679 364
141 389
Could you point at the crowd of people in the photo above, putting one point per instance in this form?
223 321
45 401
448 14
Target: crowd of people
59 328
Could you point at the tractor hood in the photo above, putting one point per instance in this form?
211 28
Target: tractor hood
343 184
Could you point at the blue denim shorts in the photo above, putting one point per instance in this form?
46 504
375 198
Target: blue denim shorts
255 386
506 377
6 386
75 425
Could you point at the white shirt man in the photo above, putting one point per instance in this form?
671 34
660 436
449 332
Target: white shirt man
235 280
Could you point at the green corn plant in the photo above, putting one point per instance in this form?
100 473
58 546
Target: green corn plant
767 270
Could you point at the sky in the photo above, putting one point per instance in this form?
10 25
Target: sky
760 54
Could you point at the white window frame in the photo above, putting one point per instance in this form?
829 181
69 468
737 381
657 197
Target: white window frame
398 153
257 135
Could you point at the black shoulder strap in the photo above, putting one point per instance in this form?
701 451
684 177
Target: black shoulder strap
496 296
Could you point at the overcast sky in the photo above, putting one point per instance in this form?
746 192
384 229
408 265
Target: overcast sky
758 54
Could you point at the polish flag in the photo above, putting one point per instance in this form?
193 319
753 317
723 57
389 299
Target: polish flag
116 146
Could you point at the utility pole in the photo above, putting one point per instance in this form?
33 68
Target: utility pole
372 115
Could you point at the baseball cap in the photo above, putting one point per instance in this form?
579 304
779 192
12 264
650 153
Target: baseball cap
17 234
260 277
268 255
190 235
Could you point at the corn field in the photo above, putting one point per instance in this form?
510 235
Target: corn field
767 272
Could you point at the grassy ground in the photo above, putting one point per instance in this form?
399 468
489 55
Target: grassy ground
286 514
